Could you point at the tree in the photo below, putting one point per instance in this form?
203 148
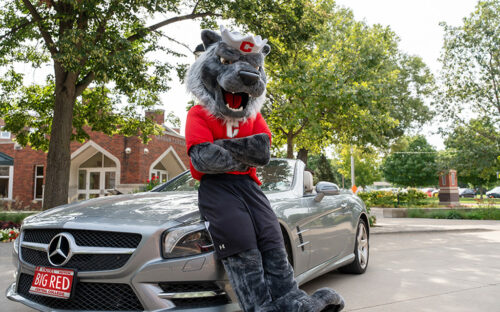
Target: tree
366 165
471 65
473 155
414 165
100 52
347 84
323 169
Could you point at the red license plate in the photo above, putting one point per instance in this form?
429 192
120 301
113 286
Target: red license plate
52 282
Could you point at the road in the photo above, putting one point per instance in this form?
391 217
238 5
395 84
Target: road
415 265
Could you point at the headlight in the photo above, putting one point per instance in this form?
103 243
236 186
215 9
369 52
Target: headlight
16 244
186 241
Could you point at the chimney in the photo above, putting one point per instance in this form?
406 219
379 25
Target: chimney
157 115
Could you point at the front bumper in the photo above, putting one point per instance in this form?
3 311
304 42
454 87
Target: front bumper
14 296
147 282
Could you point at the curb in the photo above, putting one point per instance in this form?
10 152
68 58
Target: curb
425 230
403 212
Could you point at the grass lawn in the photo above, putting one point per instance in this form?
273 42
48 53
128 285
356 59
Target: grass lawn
476 214
467 202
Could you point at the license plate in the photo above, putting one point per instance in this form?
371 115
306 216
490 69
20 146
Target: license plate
50 282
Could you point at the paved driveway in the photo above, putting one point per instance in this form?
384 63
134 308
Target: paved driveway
415 265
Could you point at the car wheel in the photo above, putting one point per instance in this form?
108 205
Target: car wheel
361 251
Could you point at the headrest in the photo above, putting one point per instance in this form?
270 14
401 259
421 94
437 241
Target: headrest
308 182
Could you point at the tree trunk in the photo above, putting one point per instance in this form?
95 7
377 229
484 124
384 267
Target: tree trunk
302 155
59 156
289 145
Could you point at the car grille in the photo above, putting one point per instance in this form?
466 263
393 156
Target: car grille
186 287
78 262
86 238
82 262
86 296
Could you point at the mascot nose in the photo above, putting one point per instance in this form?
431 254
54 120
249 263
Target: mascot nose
249 78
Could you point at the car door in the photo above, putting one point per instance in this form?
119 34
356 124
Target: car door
327 228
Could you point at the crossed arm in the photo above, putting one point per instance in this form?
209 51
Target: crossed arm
231 154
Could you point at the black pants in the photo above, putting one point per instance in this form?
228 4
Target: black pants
239 214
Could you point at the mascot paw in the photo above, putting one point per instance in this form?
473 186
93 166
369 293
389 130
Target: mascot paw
328 300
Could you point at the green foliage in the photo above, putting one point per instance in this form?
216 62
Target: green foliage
471 65
472 151
476 214
366 165
323 169
414 165
348 83
386 199
14 217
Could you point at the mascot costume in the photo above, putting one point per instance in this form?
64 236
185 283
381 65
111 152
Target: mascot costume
226 139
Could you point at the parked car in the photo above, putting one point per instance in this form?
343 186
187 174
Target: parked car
428 191
151 251
494 193
466 192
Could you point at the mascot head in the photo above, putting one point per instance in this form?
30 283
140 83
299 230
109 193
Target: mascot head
228 79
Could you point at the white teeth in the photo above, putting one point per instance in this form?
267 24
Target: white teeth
235 109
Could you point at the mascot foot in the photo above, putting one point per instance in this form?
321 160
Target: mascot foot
328 300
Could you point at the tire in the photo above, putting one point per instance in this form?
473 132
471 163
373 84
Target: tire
361 251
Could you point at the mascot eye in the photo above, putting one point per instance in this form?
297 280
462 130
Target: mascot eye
225 62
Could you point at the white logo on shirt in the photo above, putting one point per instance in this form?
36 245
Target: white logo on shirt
232 128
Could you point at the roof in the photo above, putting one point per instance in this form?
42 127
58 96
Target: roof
6 160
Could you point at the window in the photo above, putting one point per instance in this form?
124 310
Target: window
4 134
38 194
160 172
6 182
99 160
97 176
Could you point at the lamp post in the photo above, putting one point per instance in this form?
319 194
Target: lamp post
353 180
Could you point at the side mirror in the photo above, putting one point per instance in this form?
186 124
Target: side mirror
326 188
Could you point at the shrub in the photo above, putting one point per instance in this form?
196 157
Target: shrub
389 199
8 235
151 184
15 218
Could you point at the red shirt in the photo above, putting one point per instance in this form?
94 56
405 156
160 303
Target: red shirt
201 127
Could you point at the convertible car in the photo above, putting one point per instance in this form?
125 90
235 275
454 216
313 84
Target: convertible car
151 251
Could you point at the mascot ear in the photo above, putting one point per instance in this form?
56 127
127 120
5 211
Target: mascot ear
266 49
209 37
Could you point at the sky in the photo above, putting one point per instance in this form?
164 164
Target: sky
416 22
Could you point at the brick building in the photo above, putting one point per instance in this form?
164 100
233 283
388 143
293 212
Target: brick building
102 166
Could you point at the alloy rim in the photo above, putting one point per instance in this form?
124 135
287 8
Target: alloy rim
362 245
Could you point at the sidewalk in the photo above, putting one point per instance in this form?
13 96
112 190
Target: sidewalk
416 225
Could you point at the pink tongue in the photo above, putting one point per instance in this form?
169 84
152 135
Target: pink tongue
234 100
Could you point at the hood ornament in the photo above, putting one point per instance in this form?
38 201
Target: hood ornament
59 251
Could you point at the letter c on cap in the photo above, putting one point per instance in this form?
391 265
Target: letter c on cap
246 46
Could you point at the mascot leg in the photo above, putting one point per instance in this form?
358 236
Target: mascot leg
265 283
284 290
246 275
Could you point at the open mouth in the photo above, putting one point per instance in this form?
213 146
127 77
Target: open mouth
236 102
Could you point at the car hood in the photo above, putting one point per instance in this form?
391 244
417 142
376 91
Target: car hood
142 208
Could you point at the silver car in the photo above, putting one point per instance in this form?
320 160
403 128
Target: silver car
151 251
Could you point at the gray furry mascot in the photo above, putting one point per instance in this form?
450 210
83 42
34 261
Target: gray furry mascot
226 139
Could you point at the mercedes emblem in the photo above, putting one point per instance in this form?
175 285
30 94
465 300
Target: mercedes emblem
59 251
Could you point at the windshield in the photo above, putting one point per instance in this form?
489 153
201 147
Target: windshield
276 176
